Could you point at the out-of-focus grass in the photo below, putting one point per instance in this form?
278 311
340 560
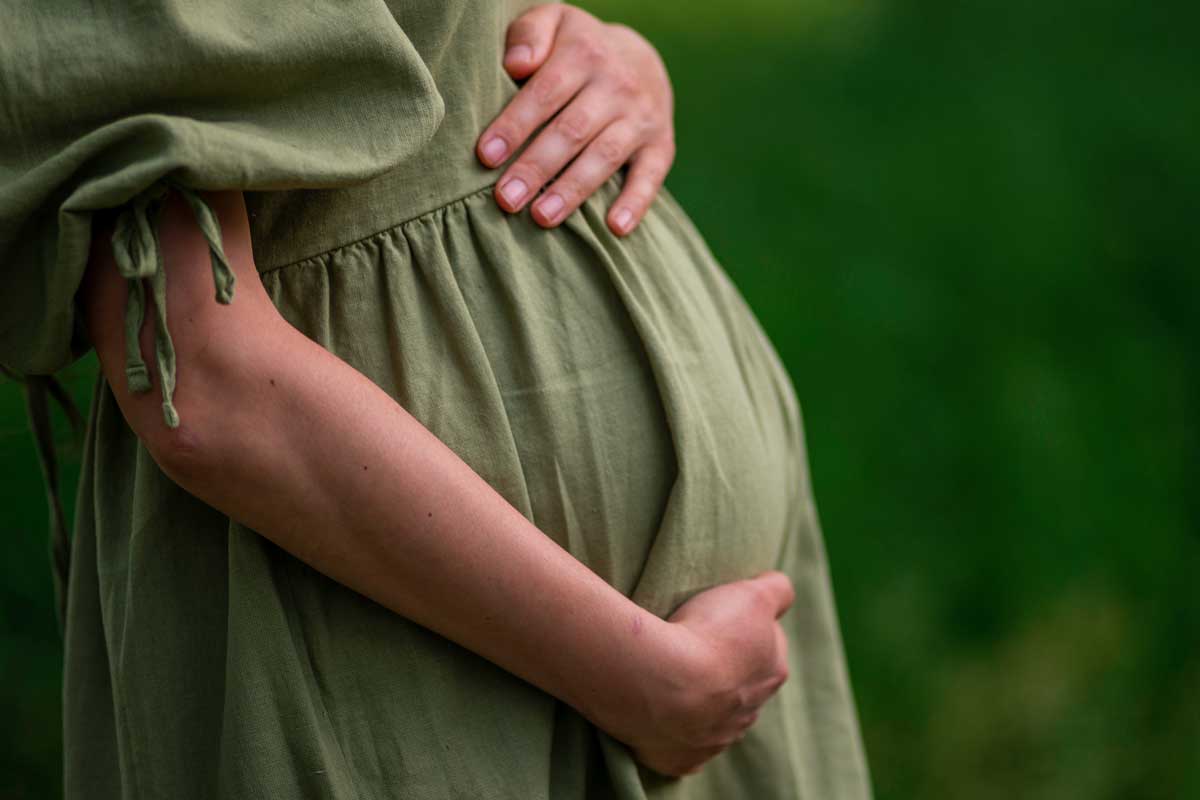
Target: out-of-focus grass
970 230
30 647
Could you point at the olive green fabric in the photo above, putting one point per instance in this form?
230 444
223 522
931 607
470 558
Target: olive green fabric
619 392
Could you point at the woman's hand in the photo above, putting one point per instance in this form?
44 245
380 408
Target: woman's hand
727 657
611 102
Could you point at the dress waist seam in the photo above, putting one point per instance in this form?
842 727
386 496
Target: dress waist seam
390 228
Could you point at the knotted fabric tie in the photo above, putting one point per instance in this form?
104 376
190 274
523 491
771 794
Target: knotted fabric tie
138 254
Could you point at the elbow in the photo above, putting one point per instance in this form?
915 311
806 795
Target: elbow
221 409
218 347
216 409
219 404
188 454
223 417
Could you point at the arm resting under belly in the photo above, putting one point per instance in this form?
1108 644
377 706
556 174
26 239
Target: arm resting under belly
286 438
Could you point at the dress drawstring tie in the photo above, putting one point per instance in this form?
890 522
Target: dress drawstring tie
138 255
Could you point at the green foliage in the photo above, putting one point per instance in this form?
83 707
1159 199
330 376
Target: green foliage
970 230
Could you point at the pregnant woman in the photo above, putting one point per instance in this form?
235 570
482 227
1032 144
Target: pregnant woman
440 497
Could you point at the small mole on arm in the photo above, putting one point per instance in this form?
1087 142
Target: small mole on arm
364 467
430 513
272 381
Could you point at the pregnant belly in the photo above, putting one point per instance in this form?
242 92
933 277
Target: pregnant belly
618 392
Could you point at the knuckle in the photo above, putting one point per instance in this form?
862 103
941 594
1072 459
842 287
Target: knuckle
638 198
782 667
535 175
654 179
625 84
760 596
506 129
591 50
778 678
611 151
645 188
527 170
546 87
570 189
744 701
574 125
643 127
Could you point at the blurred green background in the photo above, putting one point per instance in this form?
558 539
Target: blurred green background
970 229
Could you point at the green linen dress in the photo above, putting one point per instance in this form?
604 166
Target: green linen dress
618 392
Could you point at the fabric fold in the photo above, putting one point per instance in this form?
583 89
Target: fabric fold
38 390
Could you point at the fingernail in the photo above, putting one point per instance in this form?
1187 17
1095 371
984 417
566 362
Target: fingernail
550 205
514 190
623 218
519 52
494 149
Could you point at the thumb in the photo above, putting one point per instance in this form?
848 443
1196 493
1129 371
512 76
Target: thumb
777 588
530 39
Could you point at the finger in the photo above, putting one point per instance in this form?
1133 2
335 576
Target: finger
770 681
782 665
600 159
777 589
550 88
530 39
647 171
559 142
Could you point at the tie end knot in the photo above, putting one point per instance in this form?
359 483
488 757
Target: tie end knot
137 378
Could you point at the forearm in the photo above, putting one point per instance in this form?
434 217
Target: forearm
318 459
286 438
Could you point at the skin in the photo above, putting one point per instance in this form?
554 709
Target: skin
372 499
605 93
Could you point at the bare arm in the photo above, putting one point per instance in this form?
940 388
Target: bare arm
283 436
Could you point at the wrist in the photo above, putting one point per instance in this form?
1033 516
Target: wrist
658 664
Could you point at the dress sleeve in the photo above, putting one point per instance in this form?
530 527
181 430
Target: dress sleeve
105 104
